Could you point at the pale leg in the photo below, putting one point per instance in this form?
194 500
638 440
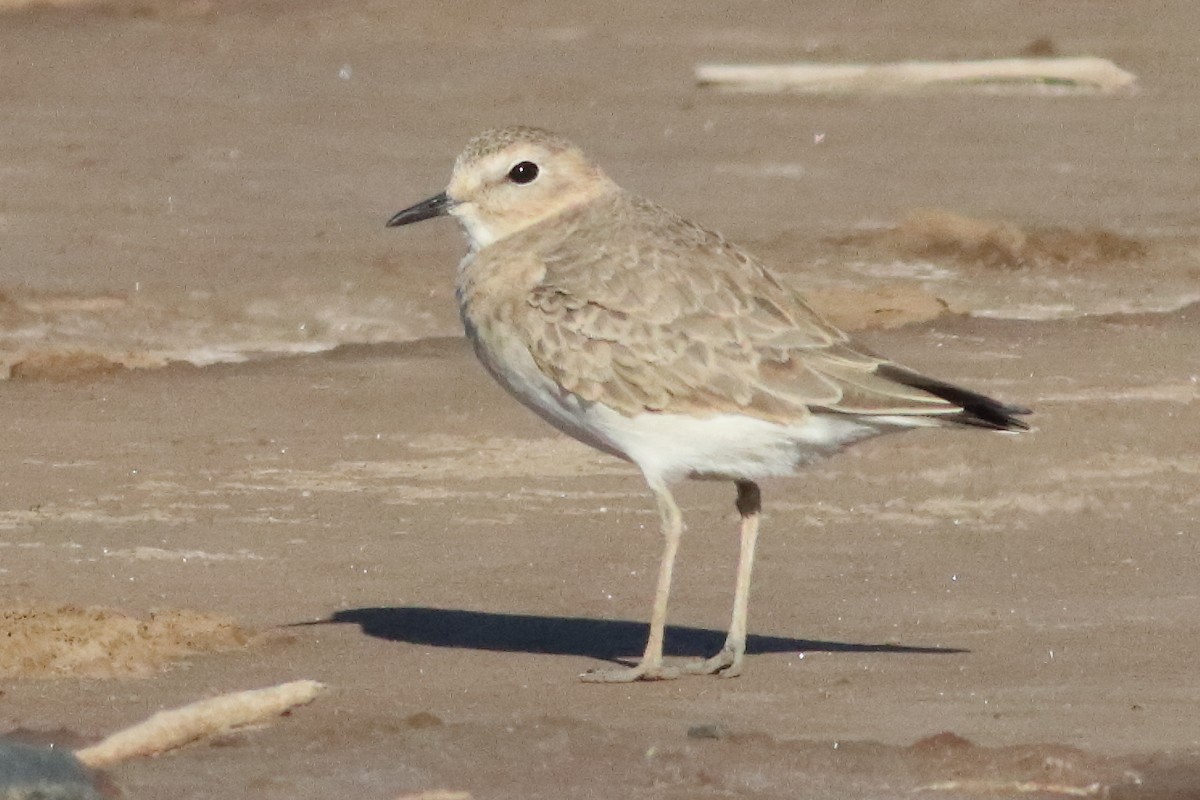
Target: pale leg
728 662
651 668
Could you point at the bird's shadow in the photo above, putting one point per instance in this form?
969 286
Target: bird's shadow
606 640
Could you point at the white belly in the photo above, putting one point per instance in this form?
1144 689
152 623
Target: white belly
671 446
730 446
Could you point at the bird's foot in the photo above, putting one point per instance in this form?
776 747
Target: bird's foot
725 664
640 672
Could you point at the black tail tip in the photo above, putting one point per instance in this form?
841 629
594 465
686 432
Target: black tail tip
984 412
1005 418
978 410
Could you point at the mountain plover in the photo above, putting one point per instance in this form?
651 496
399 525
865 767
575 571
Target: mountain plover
658 341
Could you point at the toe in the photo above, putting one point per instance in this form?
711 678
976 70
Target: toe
630 674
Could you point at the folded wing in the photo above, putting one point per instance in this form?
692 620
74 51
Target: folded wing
715 332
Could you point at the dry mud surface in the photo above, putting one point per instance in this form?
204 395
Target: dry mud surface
943 614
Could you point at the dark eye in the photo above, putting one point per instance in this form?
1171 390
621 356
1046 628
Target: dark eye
524 172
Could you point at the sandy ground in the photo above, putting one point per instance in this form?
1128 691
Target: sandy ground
383 519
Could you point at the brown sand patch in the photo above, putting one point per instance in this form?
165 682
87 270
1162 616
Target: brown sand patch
61 365
878 307
68 302
1041 47
941 234
53 642
949 763
122 8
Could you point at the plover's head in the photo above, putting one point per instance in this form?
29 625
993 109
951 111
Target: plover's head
509 179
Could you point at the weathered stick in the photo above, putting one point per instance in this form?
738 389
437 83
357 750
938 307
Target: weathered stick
1013 787
1038 75
167 730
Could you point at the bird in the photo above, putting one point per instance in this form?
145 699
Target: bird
660 342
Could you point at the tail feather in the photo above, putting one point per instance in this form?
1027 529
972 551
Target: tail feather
978 410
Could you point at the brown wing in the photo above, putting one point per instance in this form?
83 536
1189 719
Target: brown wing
683 321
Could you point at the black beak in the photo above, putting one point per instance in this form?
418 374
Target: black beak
435 206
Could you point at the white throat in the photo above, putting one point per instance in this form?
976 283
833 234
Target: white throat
479 234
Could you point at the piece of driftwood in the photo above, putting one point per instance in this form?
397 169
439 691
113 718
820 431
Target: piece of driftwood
176 727
997 787
1016 75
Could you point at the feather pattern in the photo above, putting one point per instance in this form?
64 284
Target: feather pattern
681 321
